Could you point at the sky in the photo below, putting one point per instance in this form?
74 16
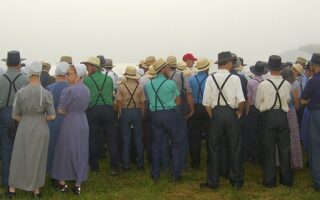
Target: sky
130 30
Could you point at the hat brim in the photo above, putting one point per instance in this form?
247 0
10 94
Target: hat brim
21 59
204 68
91 64
161 67
222 61
252 70
132 77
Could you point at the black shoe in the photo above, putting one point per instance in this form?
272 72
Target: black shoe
176 179
62 188
286 184
114 172
269 185
10 195
155 179
125 169
237 185
35 196
76 190
207 186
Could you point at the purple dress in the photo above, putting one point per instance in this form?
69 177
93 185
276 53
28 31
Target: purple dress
71 158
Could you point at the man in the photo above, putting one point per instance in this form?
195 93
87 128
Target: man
143 68
67 59
272 100
163 97
189 59
224 101
10 83
45 78
131 107
198 123
107 65
101 116
311 97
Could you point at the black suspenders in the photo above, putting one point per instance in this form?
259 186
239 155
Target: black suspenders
157 96
11 85
277 94
220 90
131 95
99 90
199 86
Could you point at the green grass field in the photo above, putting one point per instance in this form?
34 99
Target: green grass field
138 185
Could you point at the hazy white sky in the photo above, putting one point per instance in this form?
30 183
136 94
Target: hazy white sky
129 30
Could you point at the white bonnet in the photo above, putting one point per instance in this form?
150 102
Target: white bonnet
81 70
34 68
61 69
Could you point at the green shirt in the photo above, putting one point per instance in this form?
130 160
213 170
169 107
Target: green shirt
21 81
167 93
105 98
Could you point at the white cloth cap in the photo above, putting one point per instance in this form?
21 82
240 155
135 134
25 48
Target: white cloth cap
24 70
34 68
81 70
61 69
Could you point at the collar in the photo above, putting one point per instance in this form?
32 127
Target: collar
276 77
223 71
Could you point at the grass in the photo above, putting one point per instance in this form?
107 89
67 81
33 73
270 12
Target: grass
138 185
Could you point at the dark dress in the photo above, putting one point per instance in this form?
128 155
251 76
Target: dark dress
71 158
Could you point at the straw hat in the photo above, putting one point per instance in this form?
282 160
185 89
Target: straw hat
202 64
45 66
142 64
131 72
67 59
301 60
298 68
92 60
172 61
181 66
150 60
159 64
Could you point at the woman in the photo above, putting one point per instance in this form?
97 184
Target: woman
71 158
33 106
296 152
55 126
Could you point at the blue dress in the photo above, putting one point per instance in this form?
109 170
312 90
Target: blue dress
55 125
71 158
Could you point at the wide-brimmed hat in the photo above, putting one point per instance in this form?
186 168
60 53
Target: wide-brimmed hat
109 63
189 56
274 63
131 72
202 64
259 69
159 64
102 60
181 66
301 60
142 64
150 60
34 68
67 59
172 61
315 59
13 58
298 68
224 57
92 60
45 66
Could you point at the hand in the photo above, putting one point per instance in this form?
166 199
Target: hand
239 115
190 114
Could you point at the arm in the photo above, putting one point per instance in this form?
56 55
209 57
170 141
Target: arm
296 100
178 100
190 104
241 107
209 111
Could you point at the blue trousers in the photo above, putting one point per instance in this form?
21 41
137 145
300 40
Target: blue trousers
131 117
6 144
314 147
167 123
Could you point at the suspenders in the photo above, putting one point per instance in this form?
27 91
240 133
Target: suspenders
131 95
99 89
277 94
199 87
11 85
183 90
157 96
220 90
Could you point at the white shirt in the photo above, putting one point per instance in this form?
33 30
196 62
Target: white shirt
232 90
266 94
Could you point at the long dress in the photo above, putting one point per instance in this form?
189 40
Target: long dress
55 125
29 154
71 158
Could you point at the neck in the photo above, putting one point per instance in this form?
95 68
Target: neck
275 73
34 80
60 78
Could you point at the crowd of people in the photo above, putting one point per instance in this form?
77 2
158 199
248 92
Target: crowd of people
166 108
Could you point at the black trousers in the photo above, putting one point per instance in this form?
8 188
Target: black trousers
197 124
276 133
224 133
102 120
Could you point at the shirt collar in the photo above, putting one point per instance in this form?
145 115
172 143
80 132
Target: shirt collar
276 77
223 71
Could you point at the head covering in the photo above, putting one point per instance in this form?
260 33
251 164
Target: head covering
181 66
131 72
202 64
45 66
61 69
92 60
81 70
274 63
102 60
159 64
34 68
13 58
109 63
67 59
302 61
259 69
24 70
150 60
298 68
315 59
189 56
142 64
172 61
224 57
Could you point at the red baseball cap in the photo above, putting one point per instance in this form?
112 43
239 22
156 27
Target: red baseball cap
189 56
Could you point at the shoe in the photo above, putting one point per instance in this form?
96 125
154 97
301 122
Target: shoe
35 196
286 184
140 168
155 179
176 179
207 186
10 195
62 188
237 185
114 172
125 169
76 190
269 185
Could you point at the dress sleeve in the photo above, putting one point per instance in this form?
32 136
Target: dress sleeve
65 98
50 105
16 111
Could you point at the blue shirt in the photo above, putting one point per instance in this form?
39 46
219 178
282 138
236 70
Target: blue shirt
197 86
312 92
